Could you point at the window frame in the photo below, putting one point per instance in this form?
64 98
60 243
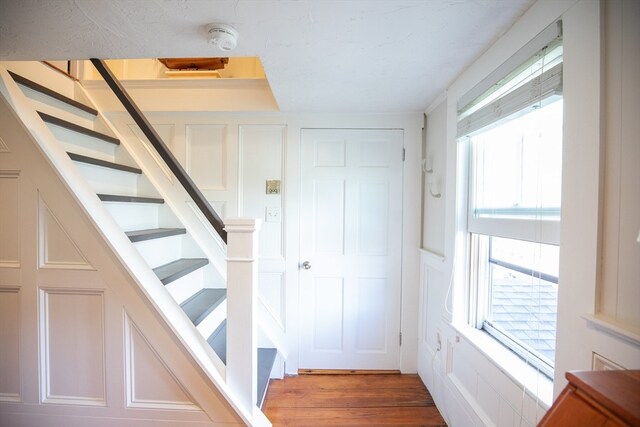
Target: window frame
535 225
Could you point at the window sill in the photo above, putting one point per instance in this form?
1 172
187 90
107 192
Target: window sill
536 384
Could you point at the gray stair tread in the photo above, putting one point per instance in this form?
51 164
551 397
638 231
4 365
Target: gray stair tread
153 233
128 199
198 306
218 341
51 93
103 163
266 359
77 128
176 269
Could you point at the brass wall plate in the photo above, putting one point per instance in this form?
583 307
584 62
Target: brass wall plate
273 186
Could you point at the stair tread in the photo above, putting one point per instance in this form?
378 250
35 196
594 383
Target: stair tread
218 341
153 233
198 306
266 359
99 162
176 269
51 93
77 128
129 199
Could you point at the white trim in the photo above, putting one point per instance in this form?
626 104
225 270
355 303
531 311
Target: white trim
436 103
432 256
536 384
614 328
542 231
129 370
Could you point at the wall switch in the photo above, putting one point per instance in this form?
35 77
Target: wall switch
272 214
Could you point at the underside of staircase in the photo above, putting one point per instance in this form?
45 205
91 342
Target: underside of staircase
149 223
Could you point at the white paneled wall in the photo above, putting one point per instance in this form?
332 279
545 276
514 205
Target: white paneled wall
230 163
262 149
78 343
10 345
474 380
205 154
72 364
621 269
230 156
9 232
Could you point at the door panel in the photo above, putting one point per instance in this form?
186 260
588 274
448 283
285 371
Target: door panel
351 222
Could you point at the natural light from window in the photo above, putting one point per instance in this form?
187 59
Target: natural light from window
516 173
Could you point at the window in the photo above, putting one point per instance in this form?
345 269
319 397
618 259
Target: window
513 134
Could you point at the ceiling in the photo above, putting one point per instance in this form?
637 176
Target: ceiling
345 56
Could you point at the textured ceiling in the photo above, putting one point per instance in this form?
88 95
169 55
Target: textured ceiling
347 56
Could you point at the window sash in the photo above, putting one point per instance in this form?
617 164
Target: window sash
530 230
481 298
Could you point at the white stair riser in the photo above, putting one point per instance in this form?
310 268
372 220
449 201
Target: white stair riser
157 252
83 144
186 286
213 320
134 216
111 181
52 106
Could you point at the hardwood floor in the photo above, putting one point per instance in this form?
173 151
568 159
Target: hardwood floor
351 400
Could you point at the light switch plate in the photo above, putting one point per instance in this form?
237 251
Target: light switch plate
272 214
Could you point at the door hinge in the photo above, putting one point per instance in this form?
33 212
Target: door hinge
404 154
400 335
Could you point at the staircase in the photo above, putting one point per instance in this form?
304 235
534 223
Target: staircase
168 248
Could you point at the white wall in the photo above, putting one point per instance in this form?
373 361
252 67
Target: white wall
620 291
231 155
79 344
466 373
435 155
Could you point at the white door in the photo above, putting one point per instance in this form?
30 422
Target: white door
351 236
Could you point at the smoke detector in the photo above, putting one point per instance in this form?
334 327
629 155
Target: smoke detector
222 35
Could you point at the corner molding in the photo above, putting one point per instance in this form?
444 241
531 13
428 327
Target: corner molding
613 328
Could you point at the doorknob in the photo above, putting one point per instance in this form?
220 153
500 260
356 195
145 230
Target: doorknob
306 265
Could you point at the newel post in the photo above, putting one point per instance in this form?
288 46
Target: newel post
242 300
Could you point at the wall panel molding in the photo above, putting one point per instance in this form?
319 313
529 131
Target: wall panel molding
271 292
262 157
10 380
72 347
9 219
219 208
206 153
56 249
166 133
4 148
149 381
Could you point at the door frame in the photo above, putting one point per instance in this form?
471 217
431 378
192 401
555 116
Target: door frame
411 124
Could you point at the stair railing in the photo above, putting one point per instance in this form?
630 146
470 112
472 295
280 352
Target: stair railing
162 149
242 270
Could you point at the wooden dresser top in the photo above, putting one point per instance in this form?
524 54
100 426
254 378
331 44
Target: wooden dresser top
619 391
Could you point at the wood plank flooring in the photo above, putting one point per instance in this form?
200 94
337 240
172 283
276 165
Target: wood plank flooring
351 400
